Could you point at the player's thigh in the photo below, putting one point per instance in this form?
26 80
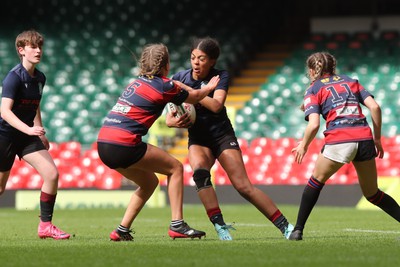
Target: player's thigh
231 161
42 162
158 160
325 168
146 179
367 176
200 157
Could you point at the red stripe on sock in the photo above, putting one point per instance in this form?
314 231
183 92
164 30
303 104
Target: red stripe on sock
275 215
213 211
47 197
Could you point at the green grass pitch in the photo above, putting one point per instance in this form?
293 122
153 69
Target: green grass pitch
333 237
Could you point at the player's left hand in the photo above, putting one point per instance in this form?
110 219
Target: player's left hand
45 141
181 122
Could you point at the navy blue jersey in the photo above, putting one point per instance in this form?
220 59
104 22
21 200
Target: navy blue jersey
208 125
138 107
26 91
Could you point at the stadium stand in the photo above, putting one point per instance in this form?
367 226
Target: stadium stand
88 59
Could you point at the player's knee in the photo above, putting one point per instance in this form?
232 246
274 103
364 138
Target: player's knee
202 179
178 168
245 190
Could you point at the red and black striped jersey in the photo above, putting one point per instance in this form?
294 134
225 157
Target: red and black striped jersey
338 99
138 107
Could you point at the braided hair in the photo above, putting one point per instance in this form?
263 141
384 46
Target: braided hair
322 63
154 58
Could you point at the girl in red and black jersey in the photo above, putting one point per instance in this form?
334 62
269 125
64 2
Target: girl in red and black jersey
120 144
348 137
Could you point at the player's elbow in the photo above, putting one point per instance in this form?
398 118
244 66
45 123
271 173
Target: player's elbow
375 108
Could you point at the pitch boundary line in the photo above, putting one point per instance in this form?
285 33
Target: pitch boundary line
371 231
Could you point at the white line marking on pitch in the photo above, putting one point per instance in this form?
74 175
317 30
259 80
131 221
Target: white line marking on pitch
371 231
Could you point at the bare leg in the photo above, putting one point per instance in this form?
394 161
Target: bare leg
44 165
147 183
232 162
3 181
368 179
157 160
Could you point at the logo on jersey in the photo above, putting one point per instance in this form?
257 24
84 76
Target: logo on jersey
233 143
123 109
347 111
40 88
203 83
307 101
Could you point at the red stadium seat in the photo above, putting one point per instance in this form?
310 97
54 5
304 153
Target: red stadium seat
16 181
109 180
35 182
243 143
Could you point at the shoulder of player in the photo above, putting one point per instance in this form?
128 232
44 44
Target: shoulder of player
181 74
221 72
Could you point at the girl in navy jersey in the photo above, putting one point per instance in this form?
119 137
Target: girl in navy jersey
21 128
120 144
348 137
213 138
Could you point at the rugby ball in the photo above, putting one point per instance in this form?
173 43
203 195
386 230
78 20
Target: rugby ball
179 110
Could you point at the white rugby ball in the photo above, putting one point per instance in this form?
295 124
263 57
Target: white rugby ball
182 109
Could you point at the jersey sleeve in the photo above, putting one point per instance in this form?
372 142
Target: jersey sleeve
10 85
174 93
180 97
363 93
311 104
224 81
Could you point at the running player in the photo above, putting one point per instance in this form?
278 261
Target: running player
212 137
120 144
348 137
21 128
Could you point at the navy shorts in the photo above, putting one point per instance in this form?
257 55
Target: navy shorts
117 156
217 146
21 145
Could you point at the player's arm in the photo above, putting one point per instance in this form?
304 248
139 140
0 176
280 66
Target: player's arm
215 103
376 117
8 115
196 95
37 121
309 134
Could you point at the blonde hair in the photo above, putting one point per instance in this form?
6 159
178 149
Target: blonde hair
30 37
153 59
322 63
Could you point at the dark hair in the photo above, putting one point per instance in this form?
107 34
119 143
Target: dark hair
208 45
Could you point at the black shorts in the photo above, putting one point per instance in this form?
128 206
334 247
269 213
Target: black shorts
21 145
117 156
228 141
366 150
